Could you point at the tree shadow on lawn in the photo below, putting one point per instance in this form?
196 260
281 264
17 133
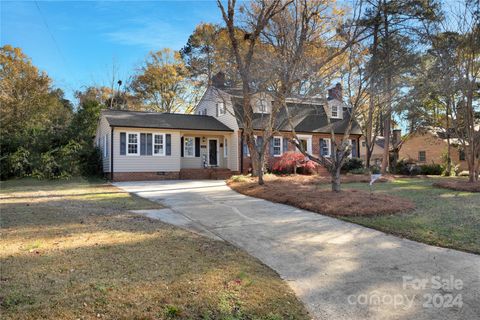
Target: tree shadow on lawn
146 273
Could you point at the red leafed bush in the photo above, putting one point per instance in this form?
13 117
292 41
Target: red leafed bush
291 160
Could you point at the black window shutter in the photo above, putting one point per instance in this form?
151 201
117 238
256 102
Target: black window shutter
321 143
168 141
123 143
149 144
143 139
181 146
197 147
271 146
285 144
216 108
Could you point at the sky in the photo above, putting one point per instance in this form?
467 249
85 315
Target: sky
78 42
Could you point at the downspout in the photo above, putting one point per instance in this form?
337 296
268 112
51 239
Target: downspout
241 152
111 154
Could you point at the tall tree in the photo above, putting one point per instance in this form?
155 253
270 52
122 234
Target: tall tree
161 82
243 46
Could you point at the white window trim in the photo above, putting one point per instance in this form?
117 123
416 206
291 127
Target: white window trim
221 111
329 145
281 146
262 104
309 142
338 112
225 147
163 143
185 150
208 152
138 144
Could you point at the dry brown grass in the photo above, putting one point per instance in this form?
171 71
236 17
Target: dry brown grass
73 251
310 193
459 185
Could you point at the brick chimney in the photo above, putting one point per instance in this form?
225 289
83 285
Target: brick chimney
396 137
218 80
335 92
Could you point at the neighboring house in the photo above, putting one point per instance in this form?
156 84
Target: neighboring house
209 144
429 145
377 154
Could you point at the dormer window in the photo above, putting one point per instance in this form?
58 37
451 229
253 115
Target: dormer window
221 110
262 106
334 112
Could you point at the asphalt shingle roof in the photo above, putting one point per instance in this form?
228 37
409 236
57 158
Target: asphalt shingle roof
119 118
304 117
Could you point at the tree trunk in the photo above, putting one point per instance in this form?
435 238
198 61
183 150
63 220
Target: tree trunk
336 185
449 151
388 115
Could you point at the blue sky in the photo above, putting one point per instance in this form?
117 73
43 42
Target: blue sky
77 42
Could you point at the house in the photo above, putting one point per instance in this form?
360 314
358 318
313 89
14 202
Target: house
377 153
429 146
209 143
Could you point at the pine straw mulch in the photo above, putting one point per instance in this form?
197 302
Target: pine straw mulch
459 185
310 193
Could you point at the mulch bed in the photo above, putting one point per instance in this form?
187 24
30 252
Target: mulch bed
303 192
459 185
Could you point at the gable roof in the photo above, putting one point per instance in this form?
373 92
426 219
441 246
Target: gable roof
137 119
305 117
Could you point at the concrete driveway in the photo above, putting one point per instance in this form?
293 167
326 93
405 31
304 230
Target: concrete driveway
339 270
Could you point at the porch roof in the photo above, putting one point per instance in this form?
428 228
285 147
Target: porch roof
136 119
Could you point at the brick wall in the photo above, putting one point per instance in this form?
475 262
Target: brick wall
315 150
434 148
140 176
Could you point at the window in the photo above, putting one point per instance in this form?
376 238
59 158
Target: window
334 111
277 146
225 148
325 145
204 112
132 144
189 147
354 152
262 106
221 108
461 155
159 144
363 144
422 156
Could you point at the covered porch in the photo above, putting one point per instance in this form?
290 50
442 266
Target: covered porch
207 151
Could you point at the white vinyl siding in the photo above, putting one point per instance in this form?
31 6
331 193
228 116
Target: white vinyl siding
147 163
102 134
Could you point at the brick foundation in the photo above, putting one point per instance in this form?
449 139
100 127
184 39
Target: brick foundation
140 176
206 173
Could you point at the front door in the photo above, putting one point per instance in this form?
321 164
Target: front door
213 152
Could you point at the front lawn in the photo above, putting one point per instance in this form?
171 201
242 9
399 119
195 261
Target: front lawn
440 217
72 250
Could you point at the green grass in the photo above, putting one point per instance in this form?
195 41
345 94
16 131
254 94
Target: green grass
442 217
72 250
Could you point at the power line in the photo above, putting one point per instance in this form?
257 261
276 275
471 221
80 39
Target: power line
54 41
